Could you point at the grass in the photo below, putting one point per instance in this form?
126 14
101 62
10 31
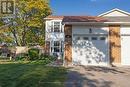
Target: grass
31 75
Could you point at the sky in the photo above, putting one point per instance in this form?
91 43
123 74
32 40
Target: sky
87 7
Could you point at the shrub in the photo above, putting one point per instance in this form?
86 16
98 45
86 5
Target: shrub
22 57
33 57
43 59
46 59
33 54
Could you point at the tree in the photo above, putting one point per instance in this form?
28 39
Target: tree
27 25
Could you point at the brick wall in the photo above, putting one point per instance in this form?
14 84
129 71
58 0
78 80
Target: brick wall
47 48
115 44
68 43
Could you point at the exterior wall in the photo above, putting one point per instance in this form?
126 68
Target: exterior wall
125 30
47 47
125 45
51 36
115 44
115 13
68 44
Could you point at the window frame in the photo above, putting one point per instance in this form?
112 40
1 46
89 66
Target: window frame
93 38
53 46
60 26
102 38
86 38
57 27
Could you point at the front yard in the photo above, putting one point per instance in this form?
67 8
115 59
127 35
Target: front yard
21 74
31 75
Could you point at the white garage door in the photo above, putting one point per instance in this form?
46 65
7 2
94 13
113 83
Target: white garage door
125 50
90 50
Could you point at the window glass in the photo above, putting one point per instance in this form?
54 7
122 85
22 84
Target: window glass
102 38
56 26
57 46
94 38
56 43
56 49
85 38
77 38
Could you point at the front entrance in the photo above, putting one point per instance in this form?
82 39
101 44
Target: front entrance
90 50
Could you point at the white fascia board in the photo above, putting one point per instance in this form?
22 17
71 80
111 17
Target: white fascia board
116 9
48 18
83 23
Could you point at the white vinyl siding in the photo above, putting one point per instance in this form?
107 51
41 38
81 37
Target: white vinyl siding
125 45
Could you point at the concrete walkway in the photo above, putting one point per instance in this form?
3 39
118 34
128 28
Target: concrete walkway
92 76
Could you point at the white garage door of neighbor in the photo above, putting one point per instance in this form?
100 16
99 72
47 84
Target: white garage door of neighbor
125 50
90 50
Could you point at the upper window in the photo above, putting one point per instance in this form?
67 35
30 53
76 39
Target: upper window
86 38
94 38
56 26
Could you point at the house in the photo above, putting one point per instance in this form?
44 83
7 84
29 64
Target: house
90 40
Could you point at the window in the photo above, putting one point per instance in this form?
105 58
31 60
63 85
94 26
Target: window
85 38
56 26
57 46
77 38
94 38
102 38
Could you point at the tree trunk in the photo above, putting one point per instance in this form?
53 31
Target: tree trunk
15 36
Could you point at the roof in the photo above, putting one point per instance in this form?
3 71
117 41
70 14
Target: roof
117 19
54 17
98 19
90 19
83 19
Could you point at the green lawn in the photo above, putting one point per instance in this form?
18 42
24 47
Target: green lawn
31 75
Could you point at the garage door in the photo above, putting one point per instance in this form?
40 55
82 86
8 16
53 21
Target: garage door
90 50
125 49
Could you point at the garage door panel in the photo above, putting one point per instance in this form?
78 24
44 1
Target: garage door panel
89 52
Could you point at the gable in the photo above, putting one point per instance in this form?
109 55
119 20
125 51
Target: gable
115 12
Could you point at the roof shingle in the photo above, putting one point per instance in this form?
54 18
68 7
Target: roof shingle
83 19
90 19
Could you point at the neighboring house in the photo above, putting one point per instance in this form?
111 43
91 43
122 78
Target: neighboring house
4 51
90 40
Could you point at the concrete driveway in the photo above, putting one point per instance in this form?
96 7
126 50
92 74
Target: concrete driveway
94 76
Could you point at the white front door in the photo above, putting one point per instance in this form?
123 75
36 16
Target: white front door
90 50
125 50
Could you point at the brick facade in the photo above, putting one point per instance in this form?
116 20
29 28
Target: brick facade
68 43
115 44
47 47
